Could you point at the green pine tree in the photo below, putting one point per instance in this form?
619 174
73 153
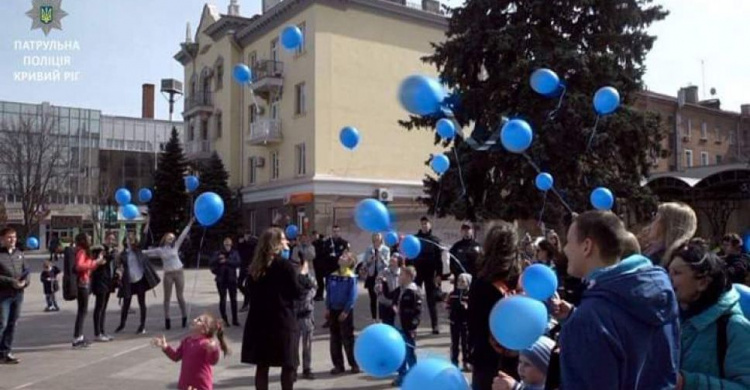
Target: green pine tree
168 209
214 178
492 48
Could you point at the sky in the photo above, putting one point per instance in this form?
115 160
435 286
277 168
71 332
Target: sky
125 43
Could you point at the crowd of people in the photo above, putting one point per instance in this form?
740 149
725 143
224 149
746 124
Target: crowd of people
650 309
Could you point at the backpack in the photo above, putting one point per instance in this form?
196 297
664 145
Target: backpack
721 342
70 277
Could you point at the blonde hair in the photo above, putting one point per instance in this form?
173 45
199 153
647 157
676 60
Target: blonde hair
677 225
163 241
410 271
630 245
268 244
215 328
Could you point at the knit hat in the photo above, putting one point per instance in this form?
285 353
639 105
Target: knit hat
465 278
539 353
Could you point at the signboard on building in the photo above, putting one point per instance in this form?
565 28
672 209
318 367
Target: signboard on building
66 221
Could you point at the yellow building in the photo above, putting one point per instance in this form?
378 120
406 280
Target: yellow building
285 154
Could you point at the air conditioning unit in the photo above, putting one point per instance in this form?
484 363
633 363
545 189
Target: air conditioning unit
384 195
260 162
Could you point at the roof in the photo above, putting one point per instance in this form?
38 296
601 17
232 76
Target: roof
693 176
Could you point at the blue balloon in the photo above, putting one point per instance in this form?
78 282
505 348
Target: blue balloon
191 183
544 81
517 322
291 37
292 231
371 215
428 373
242 74
130 211
606 100
122 196
516 135
380 350
32 243
744 292
539 282
349 137
440 163
602 199
446 129
208 208
144 195
410 247
421 95
544 181
391 238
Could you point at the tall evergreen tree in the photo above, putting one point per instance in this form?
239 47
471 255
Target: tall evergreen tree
214 178
168 209
491 49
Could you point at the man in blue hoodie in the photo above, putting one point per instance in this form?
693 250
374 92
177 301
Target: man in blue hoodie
624 335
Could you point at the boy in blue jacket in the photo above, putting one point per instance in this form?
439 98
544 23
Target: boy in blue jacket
341 294
625 332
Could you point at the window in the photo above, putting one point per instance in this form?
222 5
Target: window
252 175
191 132
252 58
300 157
220 75
299 99
717 135
204 130
718 159
731 138
688 129
704 131
704 159
274 165
219 124
252 112
275 50
688 158
301 49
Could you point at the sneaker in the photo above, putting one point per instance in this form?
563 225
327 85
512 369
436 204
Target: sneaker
355 370
48 309
109 338
9 359
337 371
80 343
57 308
307 374
141 330
102 339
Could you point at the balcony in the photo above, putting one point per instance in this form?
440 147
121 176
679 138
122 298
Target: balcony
198 150
201 102
268 77
265 131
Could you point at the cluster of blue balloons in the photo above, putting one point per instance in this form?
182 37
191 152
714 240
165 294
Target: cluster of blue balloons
547 83
602 198
208 208
291 232
349 137
291 37
380 350
32 243
440 163
123 197
191 183
371 215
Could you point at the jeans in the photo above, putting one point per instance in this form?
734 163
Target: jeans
342 334
459 341
100 313
411 357
305 336
126 307
176 279
10 310
51 301
223 291
83 309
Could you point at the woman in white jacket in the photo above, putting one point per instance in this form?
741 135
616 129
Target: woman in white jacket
174 275
374 261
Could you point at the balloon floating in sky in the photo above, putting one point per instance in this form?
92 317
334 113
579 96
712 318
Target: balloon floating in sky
606 100
130 211
446 129
32 243
391 238
122 196
410 246
144 195
208 208
516 135
544 81
421 95
291 37
440 163
544 181
191 183
291 232
349 137
242 74
602 199
371 215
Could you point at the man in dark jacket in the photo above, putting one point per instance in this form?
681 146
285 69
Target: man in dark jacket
333 248
466 251
409 310
738 263
321 256
625 332
429 267
13 280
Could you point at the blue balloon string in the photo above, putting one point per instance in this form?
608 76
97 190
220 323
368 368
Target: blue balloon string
197 267
444 248
544 204
552 113
593 132
553 189
460 172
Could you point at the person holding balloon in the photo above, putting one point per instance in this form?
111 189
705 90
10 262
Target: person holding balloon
625 333
224 264
174 275
102 284
385 285
137 277
375 261
497 278
408 306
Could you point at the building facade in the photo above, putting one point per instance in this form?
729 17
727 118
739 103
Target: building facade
101 153
280 139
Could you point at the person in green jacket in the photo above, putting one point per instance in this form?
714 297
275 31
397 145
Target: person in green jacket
709 311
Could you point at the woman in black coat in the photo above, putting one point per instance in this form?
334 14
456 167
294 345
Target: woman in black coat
224 265
138 277
102 281
271 325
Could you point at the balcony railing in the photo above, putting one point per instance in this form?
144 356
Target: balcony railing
265 131
267 68
200 99
194 148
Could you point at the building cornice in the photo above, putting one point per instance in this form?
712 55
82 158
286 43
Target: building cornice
226 24
648 95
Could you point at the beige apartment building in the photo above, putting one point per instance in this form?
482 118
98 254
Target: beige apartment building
280 142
